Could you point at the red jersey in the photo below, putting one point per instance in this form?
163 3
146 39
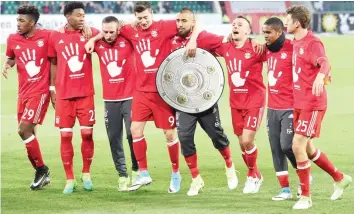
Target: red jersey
33 67
305 55
74 65
151 47
244 67
117 69
205 40
280 77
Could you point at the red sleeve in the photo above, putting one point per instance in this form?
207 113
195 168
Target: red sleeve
316 51
169 27
126 31
220 50
51 46
94 32
264 54
9 52
209 41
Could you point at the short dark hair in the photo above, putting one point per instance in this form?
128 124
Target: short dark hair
29 10
301 14
275 23
248 21
186 9
109 19
141 6
71 6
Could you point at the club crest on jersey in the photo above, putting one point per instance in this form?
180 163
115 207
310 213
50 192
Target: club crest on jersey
247 55
301 51
122 44
40 43
283 55
82 38
154 33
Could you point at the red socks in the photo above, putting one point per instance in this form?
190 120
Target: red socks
251 158
283 178
173 150
304 171
67 151
192 164
34 152
140 148
87 148
226 154
321 160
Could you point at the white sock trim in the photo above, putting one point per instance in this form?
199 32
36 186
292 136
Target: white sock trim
173 142
139 139
317 155
29 139
282 173
252 150
66 130
308 165
86 127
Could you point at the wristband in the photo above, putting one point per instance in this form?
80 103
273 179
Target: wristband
52 88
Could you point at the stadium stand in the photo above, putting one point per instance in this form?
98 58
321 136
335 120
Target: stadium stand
56 7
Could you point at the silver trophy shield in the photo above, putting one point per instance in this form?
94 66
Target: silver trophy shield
190 84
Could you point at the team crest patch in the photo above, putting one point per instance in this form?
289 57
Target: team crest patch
57 120
40 43
154 33
82 38
122 44
247 55
283 55
301 51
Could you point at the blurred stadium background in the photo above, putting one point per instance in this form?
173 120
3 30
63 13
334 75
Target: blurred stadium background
332 20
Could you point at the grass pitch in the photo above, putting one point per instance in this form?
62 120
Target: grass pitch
337 138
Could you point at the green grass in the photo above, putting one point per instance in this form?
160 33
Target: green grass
336 141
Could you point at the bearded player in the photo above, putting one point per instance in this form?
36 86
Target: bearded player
151 46
310 72
209 120
28 49
73 90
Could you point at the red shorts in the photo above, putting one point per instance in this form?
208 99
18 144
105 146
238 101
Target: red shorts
149 106
308 122
33 109
67 110
246 119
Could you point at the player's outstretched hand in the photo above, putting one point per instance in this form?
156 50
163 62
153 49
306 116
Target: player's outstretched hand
229 38
257 47
61 29
89 46
318 84
5 70
86 32
191 48
53 98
